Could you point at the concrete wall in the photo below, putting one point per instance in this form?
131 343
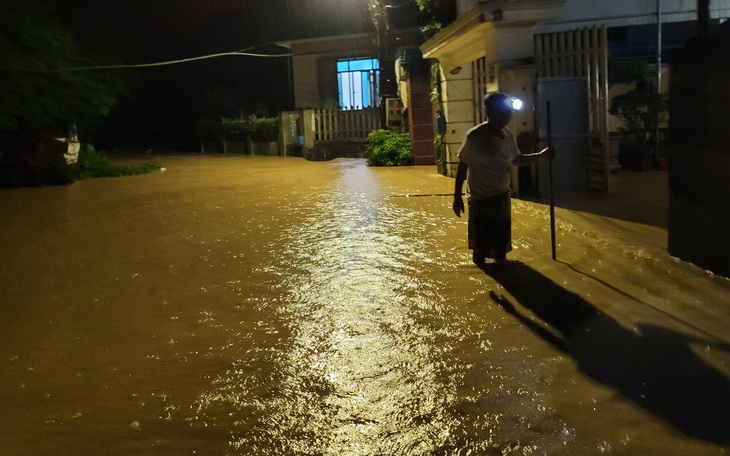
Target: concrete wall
513 43
615 13
581 13
306 81
699 154
458 102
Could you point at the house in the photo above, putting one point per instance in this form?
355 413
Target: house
345 86
316 64
552 51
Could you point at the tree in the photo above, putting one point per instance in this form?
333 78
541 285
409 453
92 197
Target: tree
43 91
436 13
641 109
40 77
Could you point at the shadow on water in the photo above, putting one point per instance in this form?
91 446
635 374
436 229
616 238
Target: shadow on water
637 197
653 366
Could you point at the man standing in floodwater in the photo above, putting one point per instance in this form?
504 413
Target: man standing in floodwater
485 161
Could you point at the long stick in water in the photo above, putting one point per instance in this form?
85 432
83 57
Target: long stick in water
550 184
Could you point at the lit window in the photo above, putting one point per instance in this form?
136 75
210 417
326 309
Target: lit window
358 83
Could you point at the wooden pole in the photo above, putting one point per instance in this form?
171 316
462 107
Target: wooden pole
550 184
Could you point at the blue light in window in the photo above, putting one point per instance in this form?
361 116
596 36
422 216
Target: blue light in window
357 82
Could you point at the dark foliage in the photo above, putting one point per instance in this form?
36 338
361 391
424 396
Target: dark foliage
41 80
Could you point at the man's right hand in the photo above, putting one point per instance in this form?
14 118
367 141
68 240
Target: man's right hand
458 206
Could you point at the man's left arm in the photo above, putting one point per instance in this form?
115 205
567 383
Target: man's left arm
528 159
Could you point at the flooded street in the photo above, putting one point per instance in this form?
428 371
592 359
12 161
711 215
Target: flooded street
240 305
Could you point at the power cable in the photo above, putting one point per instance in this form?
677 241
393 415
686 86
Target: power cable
241 52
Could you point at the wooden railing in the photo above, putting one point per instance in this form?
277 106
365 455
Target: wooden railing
332 124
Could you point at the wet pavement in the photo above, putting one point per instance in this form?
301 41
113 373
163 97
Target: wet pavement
238 305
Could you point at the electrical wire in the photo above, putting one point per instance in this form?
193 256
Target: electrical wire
242 52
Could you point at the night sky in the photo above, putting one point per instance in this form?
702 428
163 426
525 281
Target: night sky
162 108
175 27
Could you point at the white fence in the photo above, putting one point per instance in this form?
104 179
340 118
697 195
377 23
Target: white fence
332 124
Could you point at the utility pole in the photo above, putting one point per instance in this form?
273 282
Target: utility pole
386 55
386 52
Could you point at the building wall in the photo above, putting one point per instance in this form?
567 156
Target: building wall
458 105
518 82
699 158
512 43
628 12
306 81
464 5
561 15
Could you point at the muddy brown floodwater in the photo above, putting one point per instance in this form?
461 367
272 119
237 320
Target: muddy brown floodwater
273 306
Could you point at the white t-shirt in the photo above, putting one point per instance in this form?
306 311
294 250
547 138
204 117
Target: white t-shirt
489 158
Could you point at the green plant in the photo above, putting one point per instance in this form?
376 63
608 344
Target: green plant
257 128
262 128
435 14
440 146
642 110
432 26
424 4
237 130
93 163
37 51
388 148
436 89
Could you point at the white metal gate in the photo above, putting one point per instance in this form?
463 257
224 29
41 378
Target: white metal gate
582 54
568 98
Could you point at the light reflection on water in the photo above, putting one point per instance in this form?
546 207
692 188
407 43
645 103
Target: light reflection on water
360 374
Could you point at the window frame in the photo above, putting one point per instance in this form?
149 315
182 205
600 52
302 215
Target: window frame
358 83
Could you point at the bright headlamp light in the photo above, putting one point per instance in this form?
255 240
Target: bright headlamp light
515 103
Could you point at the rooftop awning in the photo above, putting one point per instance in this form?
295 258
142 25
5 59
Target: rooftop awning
464 40
461 41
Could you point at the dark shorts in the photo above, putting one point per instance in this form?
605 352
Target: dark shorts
490 226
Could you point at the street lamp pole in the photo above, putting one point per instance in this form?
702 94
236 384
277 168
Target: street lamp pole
386 53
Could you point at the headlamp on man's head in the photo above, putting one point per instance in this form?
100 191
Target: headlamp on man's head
515 103
501 101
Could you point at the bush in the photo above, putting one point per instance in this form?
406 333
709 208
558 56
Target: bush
262 128
93 163
256 128
388 148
